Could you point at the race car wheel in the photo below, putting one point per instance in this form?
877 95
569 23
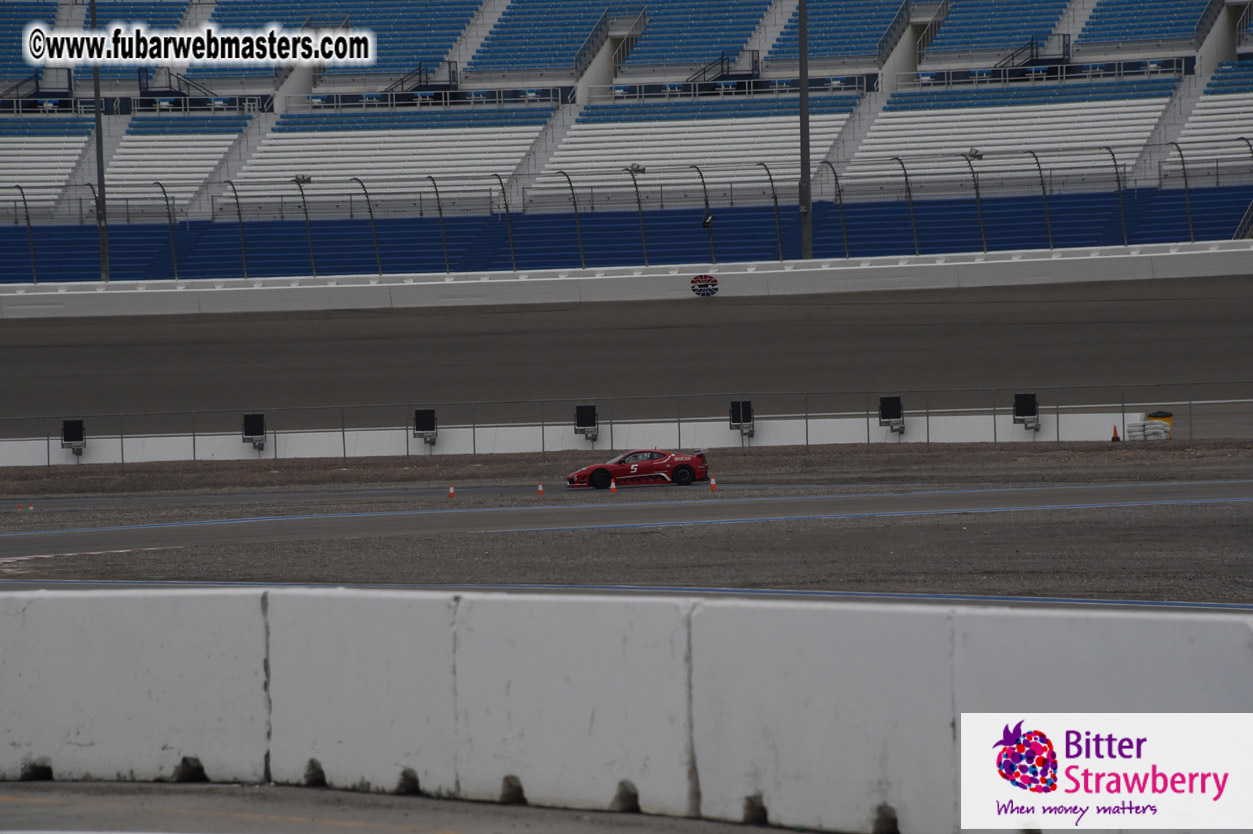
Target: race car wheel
683 475
599 479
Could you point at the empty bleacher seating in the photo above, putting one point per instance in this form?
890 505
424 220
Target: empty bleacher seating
726 137
686 32
1066 124
542 35
1220 123
1121 21
393 151
407 32
13 19
179 151
837 29
153 14
39 153
995 25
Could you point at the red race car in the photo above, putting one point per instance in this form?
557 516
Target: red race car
643 466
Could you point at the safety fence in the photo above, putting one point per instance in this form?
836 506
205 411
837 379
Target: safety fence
1193 411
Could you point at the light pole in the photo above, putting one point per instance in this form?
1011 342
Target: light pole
839 198
708 220
578 227
102 214
439 205
639 206
1048 223
778 226
300 181
169 217
969 157
1187 197
504 195
239 214
1122 208
30 235
909 195
378 258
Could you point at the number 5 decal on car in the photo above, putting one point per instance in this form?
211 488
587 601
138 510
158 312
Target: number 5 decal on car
634 467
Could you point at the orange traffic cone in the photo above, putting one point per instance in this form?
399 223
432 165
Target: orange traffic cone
613 485
452 493
31 507
1115 438
713 484
541 489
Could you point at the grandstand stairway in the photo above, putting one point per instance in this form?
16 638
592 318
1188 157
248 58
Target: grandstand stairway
768 31
1075 19
1169 127
855 130
76 194
214 190
472 38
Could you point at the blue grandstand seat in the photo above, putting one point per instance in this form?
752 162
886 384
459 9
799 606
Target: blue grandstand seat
1142 20
13 19
539 35
153 14
684 32
407 32
975 25
837 29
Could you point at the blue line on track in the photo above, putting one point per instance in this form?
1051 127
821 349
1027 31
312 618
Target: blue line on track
893 514
389 513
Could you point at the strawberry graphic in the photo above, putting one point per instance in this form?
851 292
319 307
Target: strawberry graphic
1027 760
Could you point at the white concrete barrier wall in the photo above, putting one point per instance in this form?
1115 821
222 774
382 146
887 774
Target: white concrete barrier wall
465 440
829 714
124 685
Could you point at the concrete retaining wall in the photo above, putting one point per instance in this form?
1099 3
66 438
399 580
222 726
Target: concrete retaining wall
463 440
827 714
628 283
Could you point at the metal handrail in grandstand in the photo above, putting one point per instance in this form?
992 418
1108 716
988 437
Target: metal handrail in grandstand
973 75
929 33
586 52
629 39
893 34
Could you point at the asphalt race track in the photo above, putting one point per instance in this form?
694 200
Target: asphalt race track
1064 335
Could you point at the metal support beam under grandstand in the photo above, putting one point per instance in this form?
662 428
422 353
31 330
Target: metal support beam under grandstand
1048 222
1245 140
708 220
778 226
839 199
1122 210
443 236
804 196
169 219
300 184
102 213
639 207
378 258
30 235
1187 197
578 227
504 195
239 214
909 195
969 157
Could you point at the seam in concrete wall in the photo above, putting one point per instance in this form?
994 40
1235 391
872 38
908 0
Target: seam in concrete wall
693 772
456 704
265 663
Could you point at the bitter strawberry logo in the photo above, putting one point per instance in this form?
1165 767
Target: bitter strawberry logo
1027 760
